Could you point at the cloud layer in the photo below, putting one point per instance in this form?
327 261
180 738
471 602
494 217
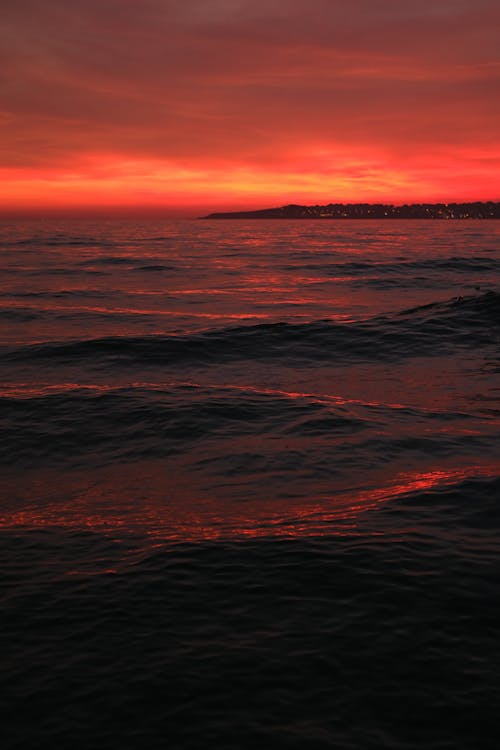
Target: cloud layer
231 102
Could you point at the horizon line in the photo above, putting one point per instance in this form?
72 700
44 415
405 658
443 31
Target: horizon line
193 210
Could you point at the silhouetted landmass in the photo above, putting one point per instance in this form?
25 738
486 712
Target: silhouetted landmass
478 210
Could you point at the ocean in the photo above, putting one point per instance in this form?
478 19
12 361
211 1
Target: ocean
250 484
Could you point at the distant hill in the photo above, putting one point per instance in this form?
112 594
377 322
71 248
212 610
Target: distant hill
478 210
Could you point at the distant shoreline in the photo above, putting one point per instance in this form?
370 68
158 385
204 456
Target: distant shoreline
477 210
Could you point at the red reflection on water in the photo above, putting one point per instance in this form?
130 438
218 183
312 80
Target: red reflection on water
139 502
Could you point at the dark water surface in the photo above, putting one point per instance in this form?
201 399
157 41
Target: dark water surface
250 484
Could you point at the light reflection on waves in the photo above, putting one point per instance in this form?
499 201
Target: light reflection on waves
105 508
74 311
291 415
429 330
32 390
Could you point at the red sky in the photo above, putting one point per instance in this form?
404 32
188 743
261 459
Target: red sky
229 103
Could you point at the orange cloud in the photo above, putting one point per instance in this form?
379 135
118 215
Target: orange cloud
315 174
239 103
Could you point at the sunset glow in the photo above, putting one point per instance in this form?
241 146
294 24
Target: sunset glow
221 104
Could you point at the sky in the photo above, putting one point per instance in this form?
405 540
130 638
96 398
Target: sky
189 105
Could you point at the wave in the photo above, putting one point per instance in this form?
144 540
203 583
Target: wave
56 294
404 268
109 260
156 267
19 315
433 329
52 271
142 421
360 640
91 241
311 436
129 263
63 240
463 506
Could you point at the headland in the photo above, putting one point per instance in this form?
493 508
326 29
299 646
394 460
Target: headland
477 210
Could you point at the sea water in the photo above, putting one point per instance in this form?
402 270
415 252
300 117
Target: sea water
251 483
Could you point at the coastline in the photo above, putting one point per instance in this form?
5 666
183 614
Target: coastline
440 211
